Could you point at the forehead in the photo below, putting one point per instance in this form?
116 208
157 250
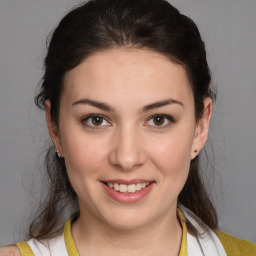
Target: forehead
127 75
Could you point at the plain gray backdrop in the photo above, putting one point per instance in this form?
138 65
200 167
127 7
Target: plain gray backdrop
228 28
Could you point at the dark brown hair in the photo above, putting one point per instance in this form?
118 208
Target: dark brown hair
102 24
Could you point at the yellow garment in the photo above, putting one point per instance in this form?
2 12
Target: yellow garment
70 244
232 245
72 250
25 249
183 247
235 246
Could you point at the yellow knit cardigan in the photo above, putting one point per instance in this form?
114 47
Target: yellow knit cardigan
235 246
232 245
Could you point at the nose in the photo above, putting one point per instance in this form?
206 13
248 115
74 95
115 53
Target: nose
127 151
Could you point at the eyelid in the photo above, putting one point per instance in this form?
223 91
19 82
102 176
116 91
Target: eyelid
170 119
84 121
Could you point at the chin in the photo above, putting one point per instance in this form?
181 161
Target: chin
127 219
128 224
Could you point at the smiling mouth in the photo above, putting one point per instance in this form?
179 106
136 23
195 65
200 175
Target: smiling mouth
131 188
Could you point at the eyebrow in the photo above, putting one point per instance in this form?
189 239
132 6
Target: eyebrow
106 107
161 104
97 104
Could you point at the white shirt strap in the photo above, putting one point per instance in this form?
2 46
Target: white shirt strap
207 243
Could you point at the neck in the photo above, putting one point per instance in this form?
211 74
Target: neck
159 237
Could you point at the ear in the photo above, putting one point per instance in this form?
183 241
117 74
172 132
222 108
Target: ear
202 128
52 128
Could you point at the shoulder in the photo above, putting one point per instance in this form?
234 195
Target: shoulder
236 246
11 250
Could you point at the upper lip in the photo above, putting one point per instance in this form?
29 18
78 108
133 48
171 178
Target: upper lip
128 182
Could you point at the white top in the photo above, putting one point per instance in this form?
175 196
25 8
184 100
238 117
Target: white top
49 247
206 244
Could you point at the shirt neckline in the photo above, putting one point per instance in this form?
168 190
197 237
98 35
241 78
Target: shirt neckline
72 250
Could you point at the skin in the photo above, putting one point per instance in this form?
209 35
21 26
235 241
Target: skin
11 250
128 144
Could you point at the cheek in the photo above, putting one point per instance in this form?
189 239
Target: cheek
84 157
83 154
172 156
174 165
172 153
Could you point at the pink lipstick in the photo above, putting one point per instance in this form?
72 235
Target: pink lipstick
128 191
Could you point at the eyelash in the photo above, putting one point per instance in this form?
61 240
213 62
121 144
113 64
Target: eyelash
170 119
85 121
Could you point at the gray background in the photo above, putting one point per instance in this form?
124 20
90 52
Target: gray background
228 28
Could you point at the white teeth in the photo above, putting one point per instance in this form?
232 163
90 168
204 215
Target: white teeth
131 188
123 188
138 186
110 185
116 186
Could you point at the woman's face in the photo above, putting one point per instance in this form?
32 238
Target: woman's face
127 121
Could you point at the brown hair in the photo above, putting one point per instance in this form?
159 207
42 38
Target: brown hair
101 24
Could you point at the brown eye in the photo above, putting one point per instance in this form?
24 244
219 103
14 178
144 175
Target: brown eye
97 120
94 121
158 120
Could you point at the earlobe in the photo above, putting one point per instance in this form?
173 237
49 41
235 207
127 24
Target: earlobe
52 128
202 128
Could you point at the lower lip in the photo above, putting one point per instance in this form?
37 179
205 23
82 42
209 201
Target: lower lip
128 197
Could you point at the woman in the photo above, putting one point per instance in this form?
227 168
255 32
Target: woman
128 103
